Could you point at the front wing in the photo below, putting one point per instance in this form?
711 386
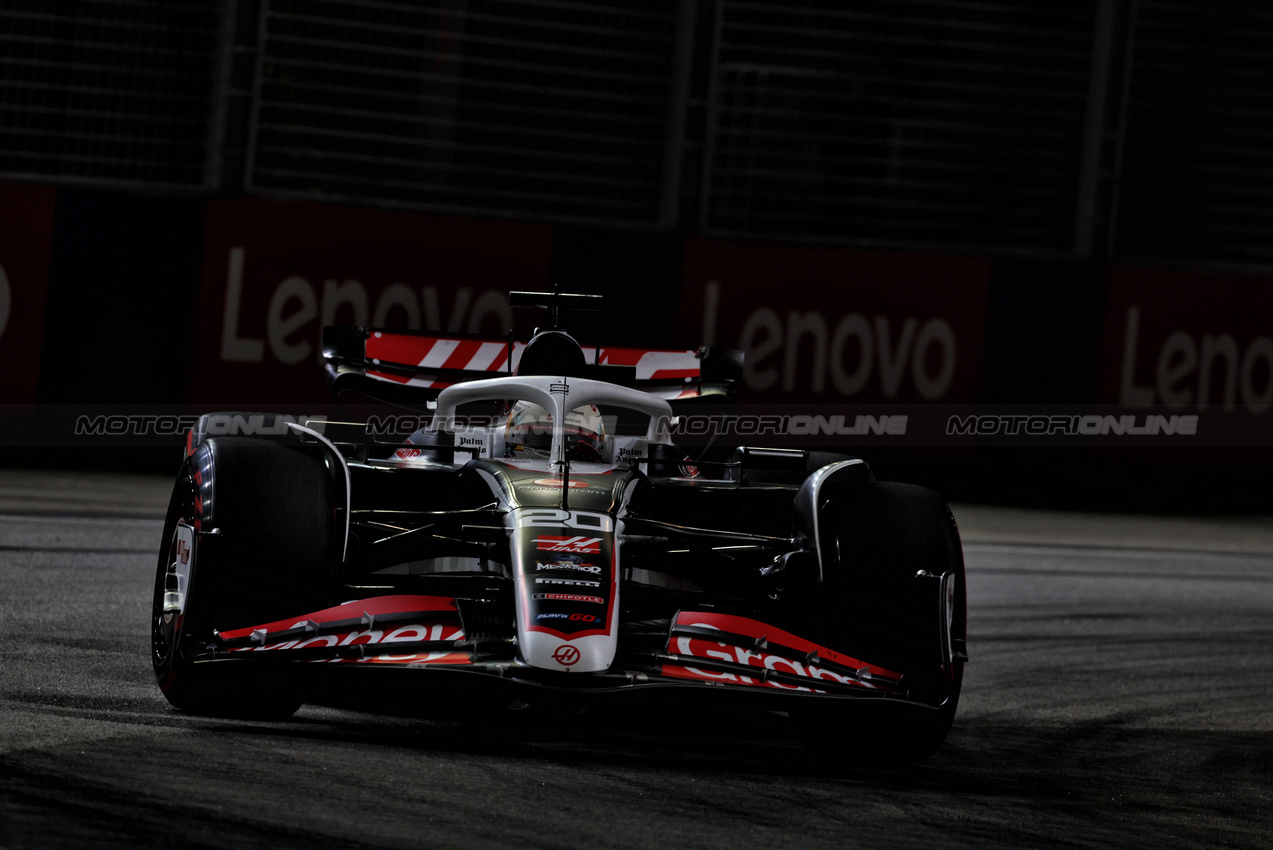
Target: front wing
704 651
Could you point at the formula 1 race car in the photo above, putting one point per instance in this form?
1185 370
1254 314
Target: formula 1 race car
538 537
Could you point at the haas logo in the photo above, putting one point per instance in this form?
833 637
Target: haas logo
566 655
577 545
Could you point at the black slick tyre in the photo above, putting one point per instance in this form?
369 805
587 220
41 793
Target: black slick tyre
247 540
891 545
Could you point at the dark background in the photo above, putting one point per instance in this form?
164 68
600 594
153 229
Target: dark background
1088 156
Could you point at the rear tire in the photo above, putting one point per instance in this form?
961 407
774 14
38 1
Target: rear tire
879 611
253 521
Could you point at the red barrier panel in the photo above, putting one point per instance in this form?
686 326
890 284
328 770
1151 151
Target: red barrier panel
275 272
26 240
1189 341
834 325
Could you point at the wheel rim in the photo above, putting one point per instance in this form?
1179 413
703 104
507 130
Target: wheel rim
172 580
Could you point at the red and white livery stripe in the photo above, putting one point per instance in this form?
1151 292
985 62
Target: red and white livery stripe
420 628
813 669
488 355
653 365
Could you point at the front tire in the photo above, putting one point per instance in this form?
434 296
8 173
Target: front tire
890 545
247 540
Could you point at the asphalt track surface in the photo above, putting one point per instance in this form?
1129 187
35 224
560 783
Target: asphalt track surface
1119 695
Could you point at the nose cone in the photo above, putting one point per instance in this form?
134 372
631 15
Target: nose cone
565 564
591 654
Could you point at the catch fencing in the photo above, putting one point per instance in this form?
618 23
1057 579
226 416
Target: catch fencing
1136 128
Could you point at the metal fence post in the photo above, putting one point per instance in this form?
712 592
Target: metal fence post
678 105
709 124
219 107
1120 144
254 107
1094 129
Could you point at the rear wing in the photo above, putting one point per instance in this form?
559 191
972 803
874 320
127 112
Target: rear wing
410 368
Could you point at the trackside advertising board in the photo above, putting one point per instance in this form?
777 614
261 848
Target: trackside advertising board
837 326
1189 341
26 241
276 272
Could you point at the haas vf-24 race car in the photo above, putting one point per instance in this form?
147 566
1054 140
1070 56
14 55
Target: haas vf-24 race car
542 538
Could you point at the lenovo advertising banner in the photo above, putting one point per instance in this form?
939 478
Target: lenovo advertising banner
838 326
1192 342
275 272
26 240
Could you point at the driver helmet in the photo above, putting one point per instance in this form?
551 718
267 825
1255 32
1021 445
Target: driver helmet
529 432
